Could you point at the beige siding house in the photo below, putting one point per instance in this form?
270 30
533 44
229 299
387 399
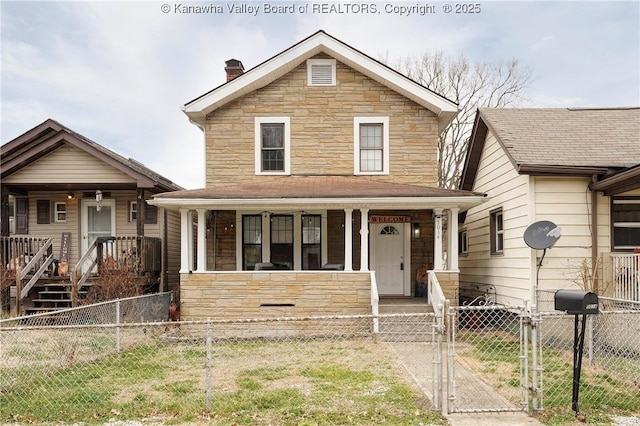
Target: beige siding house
321 188
578 168
63 195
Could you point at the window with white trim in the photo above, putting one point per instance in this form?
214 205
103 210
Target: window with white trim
625 217
463 242
371 145
60 212
133 211
496 227
272 145
321 72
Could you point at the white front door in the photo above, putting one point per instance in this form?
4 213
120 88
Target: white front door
388 257
97 223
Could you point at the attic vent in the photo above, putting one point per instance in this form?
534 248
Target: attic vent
321 72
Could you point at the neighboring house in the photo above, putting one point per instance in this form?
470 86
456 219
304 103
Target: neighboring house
63 194
321 188
578 168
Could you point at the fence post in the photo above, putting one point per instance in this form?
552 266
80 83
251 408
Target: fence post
590 348
438 329
209 366
451 357
118 326
524 355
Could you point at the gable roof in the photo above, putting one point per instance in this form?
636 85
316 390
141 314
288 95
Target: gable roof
558 140
50 135
319 42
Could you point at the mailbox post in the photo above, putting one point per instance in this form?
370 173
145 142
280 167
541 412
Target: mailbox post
578 303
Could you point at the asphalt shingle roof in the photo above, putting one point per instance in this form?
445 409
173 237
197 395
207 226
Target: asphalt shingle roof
316 187
607 137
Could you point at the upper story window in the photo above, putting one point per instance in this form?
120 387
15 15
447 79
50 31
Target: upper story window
625 217
321 72
496 228
272 150
371 145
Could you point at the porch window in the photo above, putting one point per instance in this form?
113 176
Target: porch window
251 241
497 231
371 153
625 217
282 240
272 139
311 238
60 212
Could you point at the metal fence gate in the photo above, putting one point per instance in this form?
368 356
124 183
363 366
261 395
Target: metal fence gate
483 344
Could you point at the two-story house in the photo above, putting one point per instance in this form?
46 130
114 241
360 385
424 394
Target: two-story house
321 171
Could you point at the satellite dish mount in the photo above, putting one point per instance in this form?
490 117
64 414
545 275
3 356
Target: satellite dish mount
541 235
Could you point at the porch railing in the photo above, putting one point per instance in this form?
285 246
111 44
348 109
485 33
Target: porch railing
22 258
626 276
142 254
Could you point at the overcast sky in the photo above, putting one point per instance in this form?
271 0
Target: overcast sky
120 72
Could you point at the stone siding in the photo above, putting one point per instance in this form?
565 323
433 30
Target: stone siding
322 129
449 282
235 295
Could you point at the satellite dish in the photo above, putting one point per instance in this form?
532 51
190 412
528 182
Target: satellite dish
542 235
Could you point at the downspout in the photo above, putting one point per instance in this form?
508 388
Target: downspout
594 235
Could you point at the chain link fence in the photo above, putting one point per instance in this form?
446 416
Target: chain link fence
610 378
329 370
147 308
486 367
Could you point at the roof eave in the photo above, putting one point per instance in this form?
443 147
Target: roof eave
282 204
555 170
279 65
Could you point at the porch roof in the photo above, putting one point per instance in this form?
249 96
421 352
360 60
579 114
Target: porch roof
317 191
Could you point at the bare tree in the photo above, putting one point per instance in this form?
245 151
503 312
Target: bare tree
487 84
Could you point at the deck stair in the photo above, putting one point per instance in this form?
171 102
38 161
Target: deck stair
405 328
51 294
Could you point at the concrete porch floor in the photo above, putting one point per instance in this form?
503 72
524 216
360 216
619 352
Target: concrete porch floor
403 305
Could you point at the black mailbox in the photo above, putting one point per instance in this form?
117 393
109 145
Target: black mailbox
576 302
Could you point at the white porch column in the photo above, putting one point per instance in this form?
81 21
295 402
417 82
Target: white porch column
452 255
348 243
185 241
364 239
201 265
437 241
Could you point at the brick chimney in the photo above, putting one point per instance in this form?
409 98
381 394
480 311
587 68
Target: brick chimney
233 68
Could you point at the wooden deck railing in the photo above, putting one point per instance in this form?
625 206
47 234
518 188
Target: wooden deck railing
22 258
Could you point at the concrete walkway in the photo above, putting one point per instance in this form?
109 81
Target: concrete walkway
472 391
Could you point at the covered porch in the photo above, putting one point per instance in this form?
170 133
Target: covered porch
314 254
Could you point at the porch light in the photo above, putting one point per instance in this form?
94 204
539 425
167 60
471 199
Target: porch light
416 230
70 195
